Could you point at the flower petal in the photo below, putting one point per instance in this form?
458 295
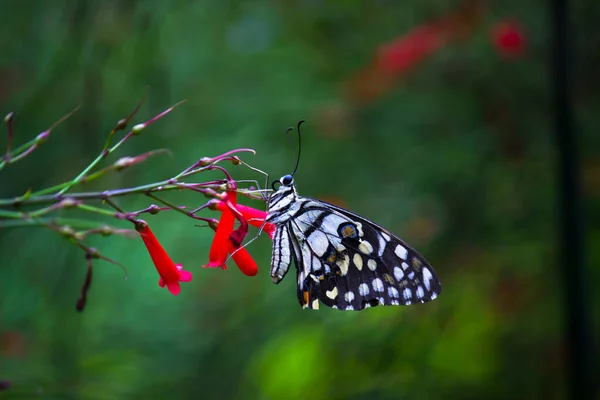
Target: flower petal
174 287
253 216
218 249
244 261
170 274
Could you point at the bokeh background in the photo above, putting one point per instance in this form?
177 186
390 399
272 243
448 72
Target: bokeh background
433 118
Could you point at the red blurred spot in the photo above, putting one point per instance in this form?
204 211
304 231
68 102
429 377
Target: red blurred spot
12 344
395 59
509 40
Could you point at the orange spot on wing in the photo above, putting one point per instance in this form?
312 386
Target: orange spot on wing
306 297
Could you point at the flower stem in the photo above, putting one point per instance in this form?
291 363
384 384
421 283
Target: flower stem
72 222
79 178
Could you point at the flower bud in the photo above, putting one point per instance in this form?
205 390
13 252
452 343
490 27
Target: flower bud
9 117
66 231
153 209
122 124
204 161
42 137
106 230
124 162
136 130
68 203
213 204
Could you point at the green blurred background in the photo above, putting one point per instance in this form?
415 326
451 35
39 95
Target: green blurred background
450 145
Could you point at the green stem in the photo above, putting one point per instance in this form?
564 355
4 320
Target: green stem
162 186
96 210
11 214
172 206
72 222
52 198
17 152
100 157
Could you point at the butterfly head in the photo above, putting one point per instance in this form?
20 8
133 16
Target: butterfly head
287 180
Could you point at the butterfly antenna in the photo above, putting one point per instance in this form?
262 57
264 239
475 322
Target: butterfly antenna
299 146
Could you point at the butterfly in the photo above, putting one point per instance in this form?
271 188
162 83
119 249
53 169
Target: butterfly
343 260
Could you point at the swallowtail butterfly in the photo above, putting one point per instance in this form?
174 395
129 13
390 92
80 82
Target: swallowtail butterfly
342 259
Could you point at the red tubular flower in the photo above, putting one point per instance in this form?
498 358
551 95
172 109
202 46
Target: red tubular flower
219 248
243 260
253 216
239 254
170 273
228 240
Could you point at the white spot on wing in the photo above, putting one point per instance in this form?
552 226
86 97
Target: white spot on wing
401 251
382 244
360 230
393 292
378 285
385 236
357 259
407 293
363 289
343 264
398 273
315 304
349 296
318 242
427 277
433 296
365 247
411 275
372 264
381 300
420 292
349 308
332 294
404 266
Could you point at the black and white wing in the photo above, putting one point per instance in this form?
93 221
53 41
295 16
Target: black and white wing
350 263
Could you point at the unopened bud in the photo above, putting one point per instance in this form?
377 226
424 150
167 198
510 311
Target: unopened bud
79 236
153 209
140 225
204 161
42 137
210 193
68 203
235 160
106 230
230 186
124 162
136 130
213 223
66 231
213 204
122 124
9 117
93 253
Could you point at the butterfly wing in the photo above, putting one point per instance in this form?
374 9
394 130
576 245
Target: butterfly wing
351 263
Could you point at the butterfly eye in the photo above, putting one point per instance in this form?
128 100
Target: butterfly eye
287 180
